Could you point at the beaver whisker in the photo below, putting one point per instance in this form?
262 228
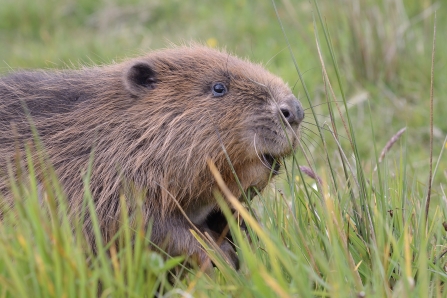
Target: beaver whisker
274 163
257 153
268 160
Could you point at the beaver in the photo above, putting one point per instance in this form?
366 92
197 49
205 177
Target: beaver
150 125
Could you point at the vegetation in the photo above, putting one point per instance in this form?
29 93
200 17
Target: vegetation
345 218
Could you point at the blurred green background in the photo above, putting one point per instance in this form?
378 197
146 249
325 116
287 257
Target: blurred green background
383 49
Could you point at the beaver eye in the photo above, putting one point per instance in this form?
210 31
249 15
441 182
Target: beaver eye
219 89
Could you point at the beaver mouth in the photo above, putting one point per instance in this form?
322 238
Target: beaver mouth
272 163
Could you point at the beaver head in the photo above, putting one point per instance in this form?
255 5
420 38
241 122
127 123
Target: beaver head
193 104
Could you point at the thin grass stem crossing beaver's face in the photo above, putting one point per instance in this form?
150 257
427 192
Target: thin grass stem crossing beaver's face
151 124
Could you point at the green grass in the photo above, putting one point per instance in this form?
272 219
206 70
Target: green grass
361 233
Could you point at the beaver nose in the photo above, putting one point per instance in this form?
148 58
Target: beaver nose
292 110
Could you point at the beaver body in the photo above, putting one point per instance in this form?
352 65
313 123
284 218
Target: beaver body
151 124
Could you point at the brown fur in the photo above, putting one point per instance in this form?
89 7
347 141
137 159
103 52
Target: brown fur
153 122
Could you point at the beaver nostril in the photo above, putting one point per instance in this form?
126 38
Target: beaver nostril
292 111
286 113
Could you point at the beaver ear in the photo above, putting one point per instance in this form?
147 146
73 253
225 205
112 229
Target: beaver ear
140 77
